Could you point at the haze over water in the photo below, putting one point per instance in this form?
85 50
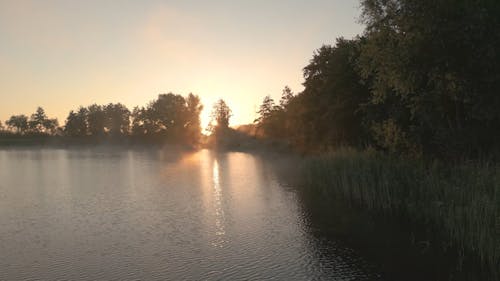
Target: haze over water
140 214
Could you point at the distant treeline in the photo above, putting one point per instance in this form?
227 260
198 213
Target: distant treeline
424 78
170 117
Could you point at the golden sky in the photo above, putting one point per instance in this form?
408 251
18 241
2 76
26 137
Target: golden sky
62 54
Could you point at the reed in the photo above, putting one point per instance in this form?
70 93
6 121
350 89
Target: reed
459 201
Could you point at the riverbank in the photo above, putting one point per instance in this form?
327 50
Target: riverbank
451 210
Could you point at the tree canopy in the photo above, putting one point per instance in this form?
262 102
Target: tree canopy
422 79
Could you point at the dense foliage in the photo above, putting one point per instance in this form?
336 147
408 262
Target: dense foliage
423 78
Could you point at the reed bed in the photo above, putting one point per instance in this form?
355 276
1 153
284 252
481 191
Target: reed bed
459 201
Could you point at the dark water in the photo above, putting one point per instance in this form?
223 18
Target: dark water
100 214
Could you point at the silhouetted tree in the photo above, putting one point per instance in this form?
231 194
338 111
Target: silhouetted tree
51 126
193 124
37 120
169 112
76 123
270 122
140 122
221 113
266 109
327 113
18 122
96 120
169 117
286 97
117 119
40 123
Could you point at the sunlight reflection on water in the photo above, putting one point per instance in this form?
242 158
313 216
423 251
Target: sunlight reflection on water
219 211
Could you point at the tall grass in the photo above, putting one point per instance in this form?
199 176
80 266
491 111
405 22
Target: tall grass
460 201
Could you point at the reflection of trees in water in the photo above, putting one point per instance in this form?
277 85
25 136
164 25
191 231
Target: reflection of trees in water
330 257
391 246
327 240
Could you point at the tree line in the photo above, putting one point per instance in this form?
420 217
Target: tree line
169 117
423 78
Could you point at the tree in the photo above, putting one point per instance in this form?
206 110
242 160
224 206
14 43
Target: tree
326 113
169 117
51 126
266 109
140 123
434 73
271 118
37 121
76 123
117 119
96 120
193 125
286 97
18 122
41 124
221 113
169 112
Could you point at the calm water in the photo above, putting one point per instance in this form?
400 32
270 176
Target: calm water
99 214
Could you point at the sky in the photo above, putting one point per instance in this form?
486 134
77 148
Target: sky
63 54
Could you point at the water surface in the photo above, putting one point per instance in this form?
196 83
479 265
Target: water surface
141 214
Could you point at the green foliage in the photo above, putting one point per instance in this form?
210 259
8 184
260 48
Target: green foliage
422 80
434 72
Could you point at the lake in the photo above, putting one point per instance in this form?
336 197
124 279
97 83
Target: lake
151 214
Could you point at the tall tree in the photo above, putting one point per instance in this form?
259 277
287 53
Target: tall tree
193 125
221 113
286 96
37 121
266 109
